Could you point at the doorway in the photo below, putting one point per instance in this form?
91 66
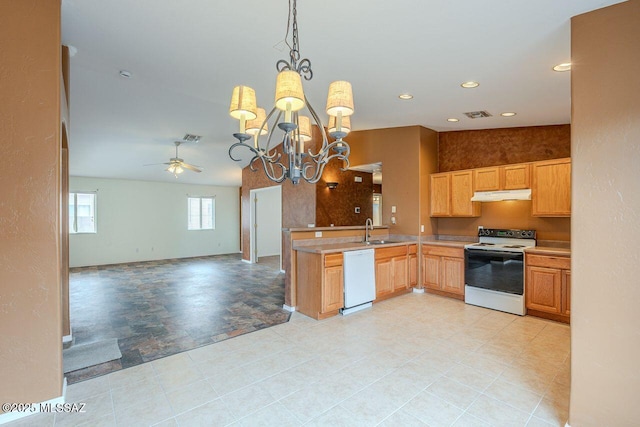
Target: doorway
265 216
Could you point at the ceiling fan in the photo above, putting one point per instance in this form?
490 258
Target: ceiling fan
177 165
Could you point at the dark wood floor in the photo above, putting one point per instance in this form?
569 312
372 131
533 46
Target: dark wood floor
159 308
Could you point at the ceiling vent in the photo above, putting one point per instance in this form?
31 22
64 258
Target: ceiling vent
191 138
477 114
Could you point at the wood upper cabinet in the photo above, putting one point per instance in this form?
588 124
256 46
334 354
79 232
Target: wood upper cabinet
551 188
451 194
443 269
440 194
548 286
486 179
509 177
392 270
515 177
461 194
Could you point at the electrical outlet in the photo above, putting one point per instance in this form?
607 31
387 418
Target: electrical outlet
358 179
357 210
393 220
422 228
318 233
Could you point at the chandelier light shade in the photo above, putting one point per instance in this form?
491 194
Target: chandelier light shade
253 127
294 116
243 103
305 128
346 125
289 94
340 99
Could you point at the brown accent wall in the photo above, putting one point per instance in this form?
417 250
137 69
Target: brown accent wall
298 201
30 291
469 149
398 150
337 206
605 346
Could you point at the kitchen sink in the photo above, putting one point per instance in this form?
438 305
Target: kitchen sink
380 242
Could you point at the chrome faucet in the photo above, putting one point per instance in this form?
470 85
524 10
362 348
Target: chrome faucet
367 230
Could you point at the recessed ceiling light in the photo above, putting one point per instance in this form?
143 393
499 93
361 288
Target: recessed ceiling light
453 120
565 66
508 114
405 96
470 85
126 74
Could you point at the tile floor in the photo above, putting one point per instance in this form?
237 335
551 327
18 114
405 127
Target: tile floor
160 308
414 360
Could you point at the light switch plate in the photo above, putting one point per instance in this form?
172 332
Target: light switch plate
358 179
393 209
422 228
318 233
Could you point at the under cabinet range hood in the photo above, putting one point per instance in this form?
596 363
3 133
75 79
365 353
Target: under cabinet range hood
497 196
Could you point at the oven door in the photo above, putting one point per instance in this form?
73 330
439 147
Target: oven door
494 270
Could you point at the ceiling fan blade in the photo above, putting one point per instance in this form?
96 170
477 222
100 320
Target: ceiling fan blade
191 167
156 164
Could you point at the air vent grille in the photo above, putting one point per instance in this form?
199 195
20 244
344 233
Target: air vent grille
191 138
477 114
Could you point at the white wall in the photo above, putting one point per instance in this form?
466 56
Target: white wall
141 221
269 219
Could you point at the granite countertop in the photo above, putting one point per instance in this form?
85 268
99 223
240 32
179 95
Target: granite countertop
346 246
449 243
548 250
342 227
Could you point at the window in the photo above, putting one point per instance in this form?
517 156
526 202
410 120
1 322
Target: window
82 212
201 213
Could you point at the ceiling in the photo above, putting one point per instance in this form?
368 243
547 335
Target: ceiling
185 58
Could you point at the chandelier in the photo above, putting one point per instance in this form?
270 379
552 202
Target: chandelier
294 160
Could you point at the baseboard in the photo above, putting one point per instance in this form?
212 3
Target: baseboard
247 261
282 271
288 308
35 408
418 290
67 338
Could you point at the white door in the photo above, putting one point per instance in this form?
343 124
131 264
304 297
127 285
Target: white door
266 222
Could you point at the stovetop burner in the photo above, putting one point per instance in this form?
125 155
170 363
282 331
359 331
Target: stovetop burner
504 240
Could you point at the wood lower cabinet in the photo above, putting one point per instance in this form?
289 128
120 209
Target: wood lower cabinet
551 188
392 271
413 266
443 270
548 286
320 284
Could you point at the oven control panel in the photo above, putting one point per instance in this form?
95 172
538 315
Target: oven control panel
507 233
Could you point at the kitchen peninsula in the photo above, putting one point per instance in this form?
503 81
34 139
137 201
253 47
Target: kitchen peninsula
316 265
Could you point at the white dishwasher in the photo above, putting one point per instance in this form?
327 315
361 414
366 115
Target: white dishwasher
359 280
